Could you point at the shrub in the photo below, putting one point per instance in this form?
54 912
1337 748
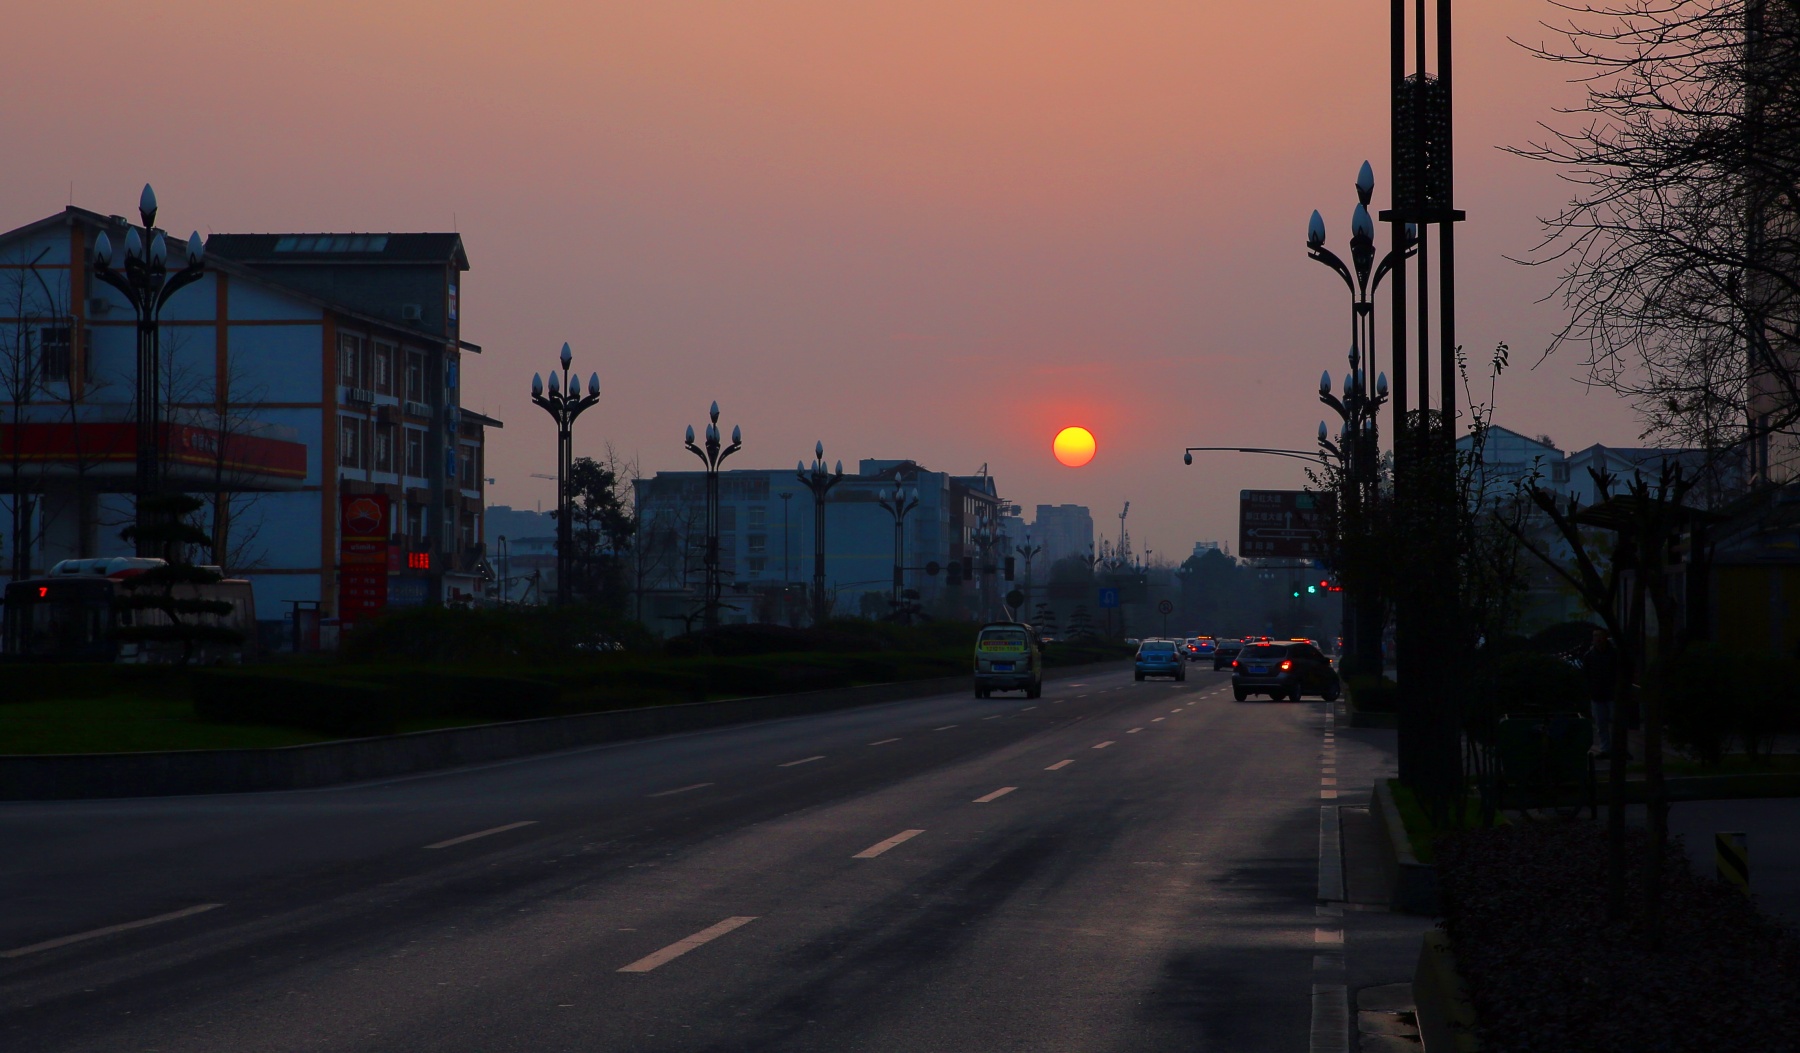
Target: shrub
1563 637
329 707
1528 683
1373 694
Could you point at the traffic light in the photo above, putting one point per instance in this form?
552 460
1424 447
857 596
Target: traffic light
1312 590
1296 594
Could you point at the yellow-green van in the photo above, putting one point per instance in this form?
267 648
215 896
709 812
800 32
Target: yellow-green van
1007 659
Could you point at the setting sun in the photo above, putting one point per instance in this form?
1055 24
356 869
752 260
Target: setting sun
1074 446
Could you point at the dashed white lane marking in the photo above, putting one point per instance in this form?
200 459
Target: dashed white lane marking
1103 745
1060 764
681 789
802 760
1328 936
485 833
681 947
947 727
882 846
884 742
1327 771
1027 709
64 941
1134 731
1327 795
1174 710
1001 792
1327 781
996 716
1155 719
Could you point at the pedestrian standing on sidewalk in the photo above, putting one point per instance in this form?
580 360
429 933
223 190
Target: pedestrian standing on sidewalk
1600 662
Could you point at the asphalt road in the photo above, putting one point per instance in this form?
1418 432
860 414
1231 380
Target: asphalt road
1116 866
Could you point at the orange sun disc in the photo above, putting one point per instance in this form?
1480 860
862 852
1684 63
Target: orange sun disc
1074 446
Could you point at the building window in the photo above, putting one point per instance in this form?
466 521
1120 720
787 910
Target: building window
466 465
350 361
756 544
384 368
756 564
759 515
727 518
350 447
55 353
415 453
415 376
384 449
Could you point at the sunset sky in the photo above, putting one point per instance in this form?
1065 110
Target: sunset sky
909 229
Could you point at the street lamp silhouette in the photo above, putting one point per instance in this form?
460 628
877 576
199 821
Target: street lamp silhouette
1030 552
899 504
712 455
564 402
147 285
820 482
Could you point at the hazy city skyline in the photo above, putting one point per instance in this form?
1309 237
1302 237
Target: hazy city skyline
922 230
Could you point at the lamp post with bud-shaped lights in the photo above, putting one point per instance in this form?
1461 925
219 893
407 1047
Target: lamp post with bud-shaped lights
147 283
899 503
712 454
564 402
819 481
1357 448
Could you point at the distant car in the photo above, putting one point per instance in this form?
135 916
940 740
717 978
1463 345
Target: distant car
1283 670
1007 658
1159 658
1224 651
1205 647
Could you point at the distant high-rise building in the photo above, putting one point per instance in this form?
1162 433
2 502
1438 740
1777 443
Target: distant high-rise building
1063 530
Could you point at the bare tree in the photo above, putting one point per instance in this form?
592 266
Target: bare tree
1679 253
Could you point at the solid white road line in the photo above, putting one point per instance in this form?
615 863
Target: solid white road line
803 760
1060 764
483 833
884 742
882 846
681 947
1001 792
682 789
1103 745
947 727
64 941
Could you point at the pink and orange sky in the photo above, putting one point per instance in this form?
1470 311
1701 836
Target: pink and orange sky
938 230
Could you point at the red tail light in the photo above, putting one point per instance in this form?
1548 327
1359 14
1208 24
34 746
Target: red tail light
1285 666
1234 663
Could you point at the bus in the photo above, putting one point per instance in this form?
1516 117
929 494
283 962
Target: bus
73 614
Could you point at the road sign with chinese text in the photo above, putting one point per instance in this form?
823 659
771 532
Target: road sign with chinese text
1283 524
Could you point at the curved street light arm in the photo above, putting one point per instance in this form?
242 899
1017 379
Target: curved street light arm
1330 259
1296 454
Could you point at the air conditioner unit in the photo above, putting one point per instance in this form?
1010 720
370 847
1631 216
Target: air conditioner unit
411 312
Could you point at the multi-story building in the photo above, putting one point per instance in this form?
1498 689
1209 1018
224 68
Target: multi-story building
1063 530
298 368
767 539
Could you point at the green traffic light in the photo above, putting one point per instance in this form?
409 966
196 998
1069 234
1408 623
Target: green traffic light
1312 588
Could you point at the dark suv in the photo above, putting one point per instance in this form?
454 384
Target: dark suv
1283 670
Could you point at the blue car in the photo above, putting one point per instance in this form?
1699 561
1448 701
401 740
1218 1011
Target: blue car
1160 658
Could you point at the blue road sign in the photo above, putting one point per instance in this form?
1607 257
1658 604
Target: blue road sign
1109 598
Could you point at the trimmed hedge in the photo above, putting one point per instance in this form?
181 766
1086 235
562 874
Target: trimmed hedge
345 709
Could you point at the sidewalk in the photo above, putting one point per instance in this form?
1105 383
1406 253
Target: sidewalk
1773 826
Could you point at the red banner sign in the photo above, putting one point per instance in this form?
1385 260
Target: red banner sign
363 528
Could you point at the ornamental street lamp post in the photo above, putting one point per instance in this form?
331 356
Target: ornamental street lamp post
147 285
1358 449
898 504
1030 552
820 482
712 455
564 402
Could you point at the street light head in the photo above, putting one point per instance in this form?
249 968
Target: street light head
882 496
566 356
690 435
1381 388
134 245
594 384
737 436
1323 434
1365 183
1187 458
537 385
840 468
103 250
147 206
819 450
1355 356
1348 381
1361 225
159 250
1325 382
555 386
1315 230
712 433
799 466
714 412
196 249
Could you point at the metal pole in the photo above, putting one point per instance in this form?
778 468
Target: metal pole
821 609
712 546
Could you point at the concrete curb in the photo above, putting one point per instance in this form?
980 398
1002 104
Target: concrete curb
73 776
1414 883
1446 1014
